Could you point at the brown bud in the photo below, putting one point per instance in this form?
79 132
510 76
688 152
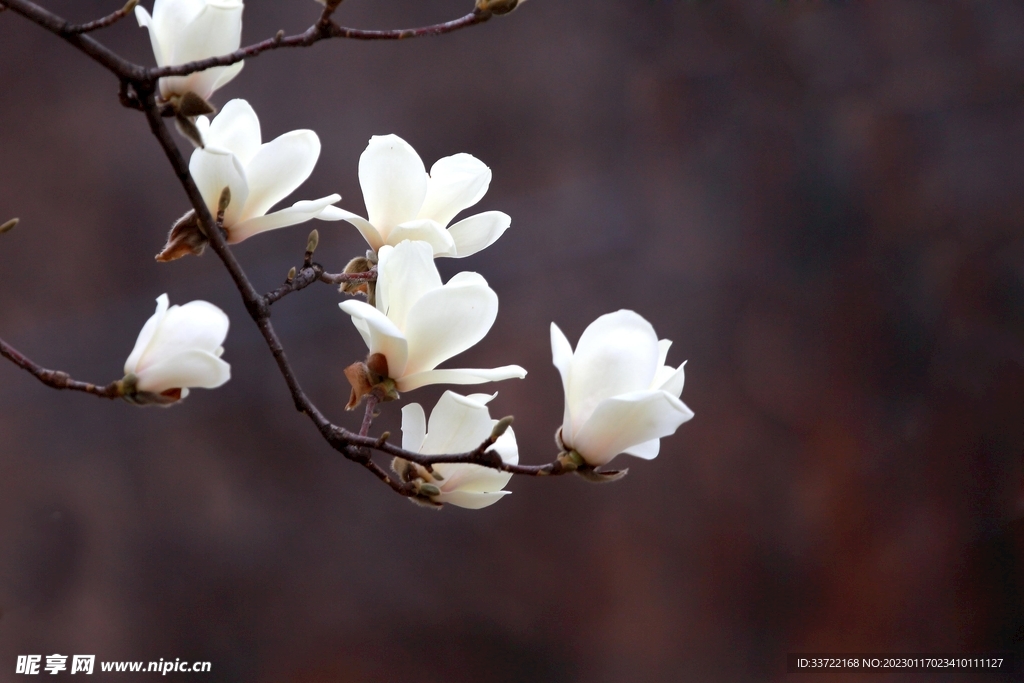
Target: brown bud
224 201
358 376
377 363
497 6
186 237
188 129
312 242
9 225
191 105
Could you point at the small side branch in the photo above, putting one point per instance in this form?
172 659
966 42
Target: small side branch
56 378
106 21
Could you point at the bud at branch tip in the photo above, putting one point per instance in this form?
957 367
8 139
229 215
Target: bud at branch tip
501 427
312 242
9 225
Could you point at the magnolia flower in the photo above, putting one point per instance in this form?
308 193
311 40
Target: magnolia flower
404 203
185 31
620 397
179 347
457 424
418 322
256 175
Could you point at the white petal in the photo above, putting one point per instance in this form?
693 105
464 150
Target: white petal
299 212
197 325
365 228
278 168
561 358
427 231
172 16
456 183
627 421
393 180
216 30
213 170
146 335
616 354
380 334
663 346
478 232
472 500
460 376
146 21
506 447
235 129
404 275
456 425
648 450
414 427
187 369
670 380
467 477
227 75
445 322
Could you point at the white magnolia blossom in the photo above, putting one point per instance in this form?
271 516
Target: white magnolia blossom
185 31
620 397
404 203
459 424
179 347
418 322
257 175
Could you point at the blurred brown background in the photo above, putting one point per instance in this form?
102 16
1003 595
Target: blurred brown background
820 203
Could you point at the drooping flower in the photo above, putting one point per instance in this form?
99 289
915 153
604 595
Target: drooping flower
185 31
457 424
404 203
179 347
620 397
418 322
257 176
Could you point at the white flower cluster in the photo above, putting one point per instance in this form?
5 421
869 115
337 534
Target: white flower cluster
620 396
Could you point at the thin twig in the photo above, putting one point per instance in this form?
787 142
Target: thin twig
371 405
314 34
56 378
104 22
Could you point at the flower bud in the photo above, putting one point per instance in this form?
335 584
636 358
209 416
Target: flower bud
186 237
9 225
497 6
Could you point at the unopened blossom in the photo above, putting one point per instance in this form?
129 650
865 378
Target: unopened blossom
620 396
184 31
179 347
458 424
419 322
256 175
403 202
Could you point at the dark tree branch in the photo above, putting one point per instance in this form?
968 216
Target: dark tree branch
137 91
56 378
64 29
104 22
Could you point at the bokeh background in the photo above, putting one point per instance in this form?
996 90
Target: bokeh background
819 203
